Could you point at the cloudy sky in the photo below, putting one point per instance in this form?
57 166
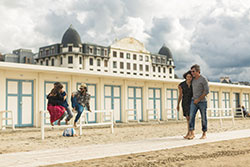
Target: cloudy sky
212 33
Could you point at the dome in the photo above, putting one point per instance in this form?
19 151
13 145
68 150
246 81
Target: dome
165 51
71 36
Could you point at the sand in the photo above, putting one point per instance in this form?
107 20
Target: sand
29 139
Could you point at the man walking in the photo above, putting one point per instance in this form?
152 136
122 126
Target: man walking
200 91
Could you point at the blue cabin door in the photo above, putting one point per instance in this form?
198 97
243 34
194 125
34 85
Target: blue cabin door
20 99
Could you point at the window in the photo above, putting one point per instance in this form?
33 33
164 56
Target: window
170 70
154 69
41 62
52 51
114 64
105 63
128 55
90 50
141 58
163 60
25 59
128 66
98 62
114 54
61 60
225 101
47 62
141 67
80 60
91 61
121 65
70 59
170 62
47 52
52 62
147 68
164 69
135 66
105 52
158 60
121 55
246 101
214 101
70 48
172 99
153 59
146 58
134 56
80 49
98 52
159 69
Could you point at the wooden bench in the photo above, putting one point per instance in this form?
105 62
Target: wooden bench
238 112
170 114
220 113
155 114
82 121
133 114
6 118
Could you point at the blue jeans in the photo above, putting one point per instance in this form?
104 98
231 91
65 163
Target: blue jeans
202 106
79 108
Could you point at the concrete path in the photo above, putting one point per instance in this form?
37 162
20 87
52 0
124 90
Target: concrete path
48 157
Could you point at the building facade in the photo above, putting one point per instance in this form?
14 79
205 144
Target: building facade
25 88
25 56
126 57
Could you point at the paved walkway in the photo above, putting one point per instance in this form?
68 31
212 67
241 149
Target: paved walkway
48 157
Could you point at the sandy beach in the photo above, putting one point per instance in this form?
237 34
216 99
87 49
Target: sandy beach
29 139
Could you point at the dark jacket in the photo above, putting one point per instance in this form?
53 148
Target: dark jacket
55 100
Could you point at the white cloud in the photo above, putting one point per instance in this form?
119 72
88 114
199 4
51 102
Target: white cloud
212 33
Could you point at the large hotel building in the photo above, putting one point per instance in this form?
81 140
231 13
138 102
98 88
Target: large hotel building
126 57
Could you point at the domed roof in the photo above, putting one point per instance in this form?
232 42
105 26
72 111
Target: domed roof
71 36
165 51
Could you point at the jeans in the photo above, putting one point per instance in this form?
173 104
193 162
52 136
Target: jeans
70 114
202 106
79 108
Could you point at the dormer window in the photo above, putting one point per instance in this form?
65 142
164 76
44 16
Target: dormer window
70 48
98 52
90 50
153 59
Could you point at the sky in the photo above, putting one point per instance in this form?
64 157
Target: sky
212 33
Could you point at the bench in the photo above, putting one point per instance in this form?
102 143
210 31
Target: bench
220 113
154 112
238 112
133 114
82 121
176 114
8 116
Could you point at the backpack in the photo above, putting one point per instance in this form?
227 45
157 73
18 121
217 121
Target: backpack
69 132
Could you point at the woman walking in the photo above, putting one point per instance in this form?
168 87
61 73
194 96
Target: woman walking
185 94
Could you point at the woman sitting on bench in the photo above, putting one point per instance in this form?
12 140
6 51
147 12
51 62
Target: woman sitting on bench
56 111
